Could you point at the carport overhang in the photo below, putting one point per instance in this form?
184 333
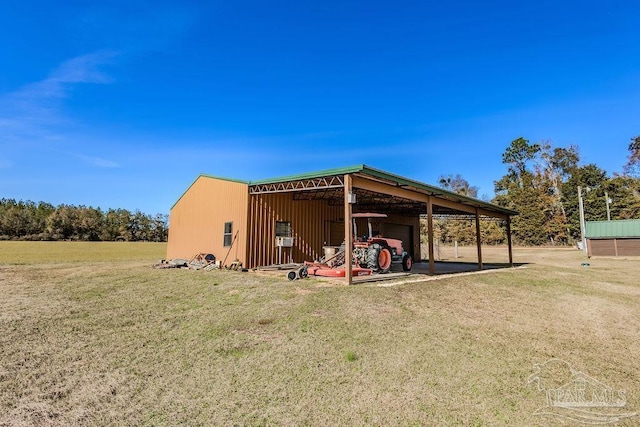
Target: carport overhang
364 189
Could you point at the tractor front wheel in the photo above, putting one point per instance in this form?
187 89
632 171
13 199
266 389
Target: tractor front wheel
407 263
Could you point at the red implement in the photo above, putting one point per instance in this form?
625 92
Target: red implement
318 269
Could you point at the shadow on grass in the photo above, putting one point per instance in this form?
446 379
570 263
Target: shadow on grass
448 267
441 267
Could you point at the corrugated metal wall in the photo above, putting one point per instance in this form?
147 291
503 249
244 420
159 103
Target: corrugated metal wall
197 220
601 247
310 224
613 247
628 247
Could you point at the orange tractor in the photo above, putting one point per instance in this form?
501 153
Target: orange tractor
371 254
376 252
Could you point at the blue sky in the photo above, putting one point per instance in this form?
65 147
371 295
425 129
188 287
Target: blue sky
123 104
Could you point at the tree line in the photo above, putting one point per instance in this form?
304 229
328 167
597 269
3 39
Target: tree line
542 184
27 220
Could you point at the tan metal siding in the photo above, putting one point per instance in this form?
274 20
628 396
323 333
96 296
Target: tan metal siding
196 222
309 221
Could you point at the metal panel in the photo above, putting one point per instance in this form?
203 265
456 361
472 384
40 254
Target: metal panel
628 247
309 221
336 233
613 229
614 247
197 220
602 247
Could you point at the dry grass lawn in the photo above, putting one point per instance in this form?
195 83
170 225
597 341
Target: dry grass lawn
90 335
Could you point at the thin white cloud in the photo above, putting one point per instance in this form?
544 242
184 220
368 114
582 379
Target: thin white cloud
30 110
98 161
83 69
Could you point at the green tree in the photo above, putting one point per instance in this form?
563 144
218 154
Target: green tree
26 220
42 212
534 186
61 224
529 227
624 192
518 155
89 223
591 178
492 232
457 184
632 167
454 229
555 167
159 228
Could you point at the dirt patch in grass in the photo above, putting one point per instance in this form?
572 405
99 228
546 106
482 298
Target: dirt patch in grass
117 343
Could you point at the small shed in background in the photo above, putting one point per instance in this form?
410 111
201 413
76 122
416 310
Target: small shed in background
613 238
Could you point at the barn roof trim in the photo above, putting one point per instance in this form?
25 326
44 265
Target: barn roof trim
397 180
619 229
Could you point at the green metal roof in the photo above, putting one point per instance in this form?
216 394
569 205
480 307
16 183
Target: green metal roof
613 229
367 170
399 180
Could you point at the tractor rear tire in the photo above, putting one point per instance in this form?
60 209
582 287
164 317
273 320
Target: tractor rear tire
384 260
372 256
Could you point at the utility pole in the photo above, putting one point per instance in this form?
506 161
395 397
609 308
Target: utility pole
608 200
582 225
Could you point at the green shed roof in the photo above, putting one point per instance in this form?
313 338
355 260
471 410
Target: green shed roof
613 229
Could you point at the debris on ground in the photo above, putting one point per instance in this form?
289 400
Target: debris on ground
235 265
172 263
202 260
199 261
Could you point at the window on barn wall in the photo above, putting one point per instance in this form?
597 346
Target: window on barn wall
283 229
228 231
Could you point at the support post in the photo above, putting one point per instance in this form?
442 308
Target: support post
432 265
509 241
478 240
583 237
348 232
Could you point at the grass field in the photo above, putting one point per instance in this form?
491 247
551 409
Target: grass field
90 335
